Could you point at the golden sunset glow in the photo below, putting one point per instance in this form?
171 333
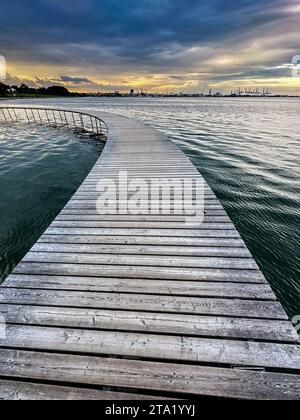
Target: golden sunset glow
251 47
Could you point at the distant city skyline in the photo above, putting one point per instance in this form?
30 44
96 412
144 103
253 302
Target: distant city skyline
155 45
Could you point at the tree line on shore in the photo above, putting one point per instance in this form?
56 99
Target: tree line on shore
24 90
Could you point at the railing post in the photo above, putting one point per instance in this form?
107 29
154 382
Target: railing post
55 121
34 119
47 116
65 117
74 120
62 117
4 115
82 123
15 114
27 116
92 124
8 110
98 124
38 111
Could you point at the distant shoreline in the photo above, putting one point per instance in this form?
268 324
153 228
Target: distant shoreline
78 95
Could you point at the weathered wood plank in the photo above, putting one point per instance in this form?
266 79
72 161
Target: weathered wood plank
25 391
184 379
204 233
91 187
142 286
161 173
229 252
153 346
171 304
151 203
142 260
167 273
79 195
173 211
143 240
172 198
166 323
74 215
208 213
141 225
210 220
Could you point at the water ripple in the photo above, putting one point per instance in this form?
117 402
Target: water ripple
40 169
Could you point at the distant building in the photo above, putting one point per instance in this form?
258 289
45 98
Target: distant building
132 92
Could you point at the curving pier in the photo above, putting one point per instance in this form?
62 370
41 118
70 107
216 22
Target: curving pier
143 306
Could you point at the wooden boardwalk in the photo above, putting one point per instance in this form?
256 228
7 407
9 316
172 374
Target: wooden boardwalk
139 307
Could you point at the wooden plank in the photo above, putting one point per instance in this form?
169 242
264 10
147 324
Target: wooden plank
141 225
164 169
203 233
170 304
195 191
149 322
162 196
75 247
161 205
213 213
115 175
124 158
142 260
153 346
161 173
89 186
173 210
147 179
153 203
170 163
178 172
122 271
142 286
105 222
25 391
140 240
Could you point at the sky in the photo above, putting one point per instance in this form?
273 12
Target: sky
154 45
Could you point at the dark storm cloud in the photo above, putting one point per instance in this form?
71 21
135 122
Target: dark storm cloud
129 30
262 72
75 80
134 28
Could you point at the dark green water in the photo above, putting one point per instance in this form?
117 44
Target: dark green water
249 152
40 169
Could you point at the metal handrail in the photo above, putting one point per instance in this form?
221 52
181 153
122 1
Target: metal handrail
76 120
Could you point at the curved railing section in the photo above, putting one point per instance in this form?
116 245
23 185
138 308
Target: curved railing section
79 122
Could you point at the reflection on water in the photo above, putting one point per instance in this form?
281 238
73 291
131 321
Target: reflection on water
249 152
40 169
